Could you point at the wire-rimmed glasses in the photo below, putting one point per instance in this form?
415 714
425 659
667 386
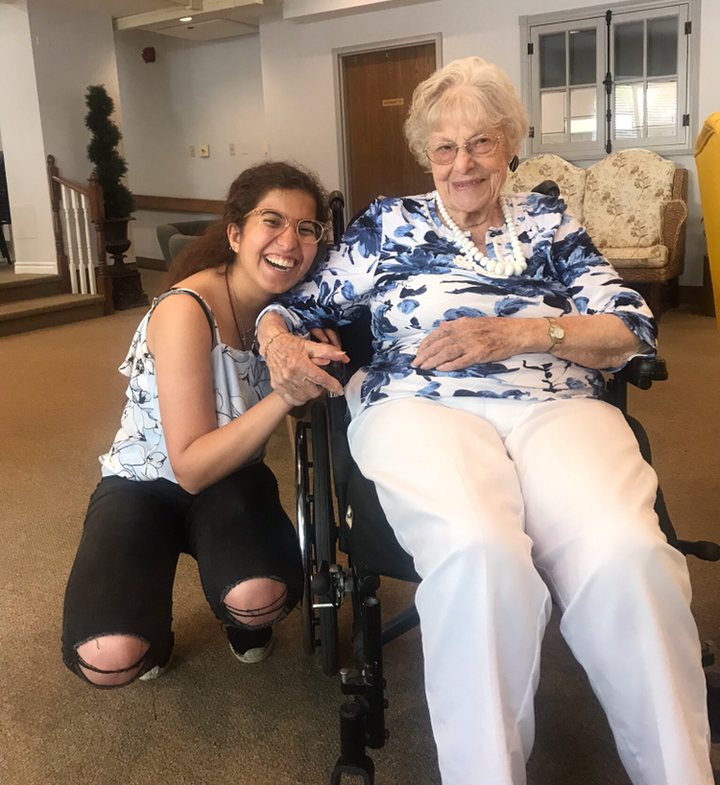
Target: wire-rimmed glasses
478 146
275 223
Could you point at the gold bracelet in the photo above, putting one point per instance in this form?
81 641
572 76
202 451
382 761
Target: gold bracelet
267 345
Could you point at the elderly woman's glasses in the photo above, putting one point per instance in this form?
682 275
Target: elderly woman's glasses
275 223
477 147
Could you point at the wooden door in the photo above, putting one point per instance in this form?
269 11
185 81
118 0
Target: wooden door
378 87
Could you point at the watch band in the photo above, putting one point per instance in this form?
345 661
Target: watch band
555 333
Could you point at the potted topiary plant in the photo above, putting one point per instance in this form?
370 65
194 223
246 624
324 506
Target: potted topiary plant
118 201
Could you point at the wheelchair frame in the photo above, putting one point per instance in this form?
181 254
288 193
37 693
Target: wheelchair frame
322 458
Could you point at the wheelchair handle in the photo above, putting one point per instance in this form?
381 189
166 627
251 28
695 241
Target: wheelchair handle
548 188
337 210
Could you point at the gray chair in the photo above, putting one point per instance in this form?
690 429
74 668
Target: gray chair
175 236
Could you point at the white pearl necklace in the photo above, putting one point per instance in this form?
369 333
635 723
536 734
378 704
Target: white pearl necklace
473 259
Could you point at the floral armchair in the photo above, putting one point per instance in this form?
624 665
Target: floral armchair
633 204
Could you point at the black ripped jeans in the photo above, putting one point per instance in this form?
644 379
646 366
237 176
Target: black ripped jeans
134 532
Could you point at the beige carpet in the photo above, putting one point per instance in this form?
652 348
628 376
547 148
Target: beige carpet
210 719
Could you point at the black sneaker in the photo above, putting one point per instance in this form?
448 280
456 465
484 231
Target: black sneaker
158 670
250 646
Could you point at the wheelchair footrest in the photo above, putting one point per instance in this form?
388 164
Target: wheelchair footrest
713 702
368 774
353 759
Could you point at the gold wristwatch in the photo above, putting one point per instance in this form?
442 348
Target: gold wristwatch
556 333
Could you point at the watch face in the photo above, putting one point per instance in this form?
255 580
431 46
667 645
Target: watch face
557 333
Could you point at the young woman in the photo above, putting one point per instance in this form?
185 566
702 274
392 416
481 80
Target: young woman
185 472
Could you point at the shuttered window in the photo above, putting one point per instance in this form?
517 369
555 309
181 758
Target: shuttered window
602 79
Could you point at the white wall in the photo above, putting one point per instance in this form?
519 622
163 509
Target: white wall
73 50
280 86
34 243
48 57
193 94
297 64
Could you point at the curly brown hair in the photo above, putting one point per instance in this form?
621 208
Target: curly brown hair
212 248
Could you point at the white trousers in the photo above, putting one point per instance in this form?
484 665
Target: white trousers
504 504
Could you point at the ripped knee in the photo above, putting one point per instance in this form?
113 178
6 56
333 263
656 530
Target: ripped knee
256 601
111 660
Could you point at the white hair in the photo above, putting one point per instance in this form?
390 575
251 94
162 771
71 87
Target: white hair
470 91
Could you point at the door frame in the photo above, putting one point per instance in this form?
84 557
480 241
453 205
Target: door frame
339 83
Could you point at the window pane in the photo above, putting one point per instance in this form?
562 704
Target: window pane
662 108
582 57
629 111
662 46
628 51
583 115
554 117
552 60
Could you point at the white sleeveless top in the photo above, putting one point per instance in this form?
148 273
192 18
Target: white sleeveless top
240 380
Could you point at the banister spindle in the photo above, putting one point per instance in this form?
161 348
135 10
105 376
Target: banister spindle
72 264
90 271
78 244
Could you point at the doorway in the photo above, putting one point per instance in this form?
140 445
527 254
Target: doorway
376 90
4 213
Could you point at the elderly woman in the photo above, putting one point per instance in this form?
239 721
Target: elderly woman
499 466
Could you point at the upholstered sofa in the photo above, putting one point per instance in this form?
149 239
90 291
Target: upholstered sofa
633 204
173 237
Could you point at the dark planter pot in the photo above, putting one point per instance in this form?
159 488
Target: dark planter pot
116 236
126 280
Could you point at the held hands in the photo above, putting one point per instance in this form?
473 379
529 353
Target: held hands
296 365
463 342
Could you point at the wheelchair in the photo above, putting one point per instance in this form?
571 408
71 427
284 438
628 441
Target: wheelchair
327 479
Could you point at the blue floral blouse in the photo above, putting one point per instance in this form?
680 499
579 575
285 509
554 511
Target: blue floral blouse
240 380
397 259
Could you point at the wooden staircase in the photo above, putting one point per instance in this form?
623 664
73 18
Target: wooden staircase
32 302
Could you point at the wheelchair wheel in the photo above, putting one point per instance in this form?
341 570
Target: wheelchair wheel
304 530
325 533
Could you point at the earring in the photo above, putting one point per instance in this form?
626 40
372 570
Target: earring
513 163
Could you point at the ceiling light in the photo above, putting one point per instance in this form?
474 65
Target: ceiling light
186 19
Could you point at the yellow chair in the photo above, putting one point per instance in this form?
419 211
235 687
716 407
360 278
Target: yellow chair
707 160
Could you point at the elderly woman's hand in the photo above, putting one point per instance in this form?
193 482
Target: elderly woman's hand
295 367
463 342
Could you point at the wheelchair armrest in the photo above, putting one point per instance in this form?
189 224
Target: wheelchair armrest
640 371
643 371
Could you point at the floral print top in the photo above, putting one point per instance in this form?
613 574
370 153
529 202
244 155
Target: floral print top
398 260
240 380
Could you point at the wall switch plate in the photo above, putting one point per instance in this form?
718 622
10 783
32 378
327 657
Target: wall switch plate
192 151
204 151
232 149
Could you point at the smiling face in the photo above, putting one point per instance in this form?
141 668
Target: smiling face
469 187
273 265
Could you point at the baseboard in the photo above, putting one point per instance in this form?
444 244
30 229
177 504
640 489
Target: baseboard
699 296
148 263
691 295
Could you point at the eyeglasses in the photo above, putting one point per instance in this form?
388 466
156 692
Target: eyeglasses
479 146
275 223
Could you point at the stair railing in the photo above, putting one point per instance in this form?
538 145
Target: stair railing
74 208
